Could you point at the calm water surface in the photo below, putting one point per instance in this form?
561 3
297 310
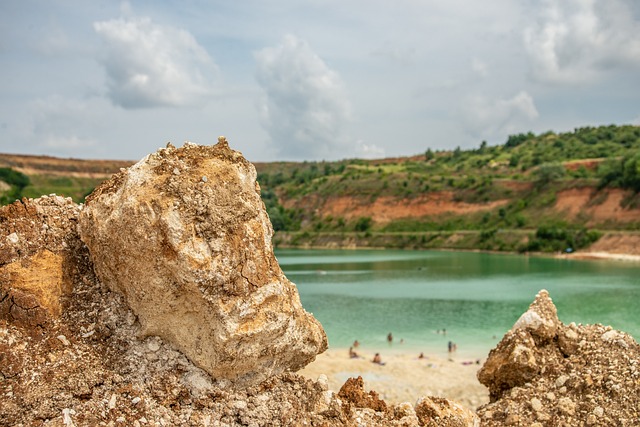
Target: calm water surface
476 297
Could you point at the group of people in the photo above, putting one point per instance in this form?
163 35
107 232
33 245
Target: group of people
377 359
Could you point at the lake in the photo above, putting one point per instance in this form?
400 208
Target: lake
475 297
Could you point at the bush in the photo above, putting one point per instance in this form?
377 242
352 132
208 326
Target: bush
14 178
556 239
363 224
17 181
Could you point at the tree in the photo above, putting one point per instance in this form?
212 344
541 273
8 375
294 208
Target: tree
363 224
483 147
548 172
428 155
631 173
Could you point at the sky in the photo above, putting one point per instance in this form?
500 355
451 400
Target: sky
310 79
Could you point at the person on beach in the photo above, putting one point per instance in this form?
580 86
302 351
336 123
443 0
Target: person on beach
377 359
421 356
353 354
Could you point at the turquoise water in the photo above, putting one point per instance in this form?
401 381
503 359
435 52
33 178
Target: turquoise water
476 297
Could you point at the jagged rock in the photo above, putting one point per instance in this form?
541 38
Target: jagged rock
439 412
521 354
185 237
352 392
546 373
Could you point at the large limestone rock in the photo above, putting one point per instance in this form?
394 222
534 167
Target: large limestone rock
185 237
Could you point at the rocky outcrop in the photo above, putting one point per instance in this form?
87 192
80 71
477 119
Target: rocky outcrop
73 352
184 236
545 373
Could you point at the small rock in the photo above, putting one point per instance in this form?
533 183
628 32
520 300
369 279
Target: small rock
323 381
112 401
567 406
63 340
536 404
561 380
13 238
153 345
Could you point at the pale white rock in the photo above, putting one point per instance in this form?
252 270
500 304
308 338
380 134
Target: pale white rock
195 263
112 401
13 238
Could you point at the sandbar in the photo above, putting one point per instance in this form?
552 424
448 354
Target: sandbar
404 377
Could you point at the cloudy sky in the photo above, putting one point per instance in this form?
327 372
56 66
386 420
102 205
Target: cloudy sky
309 79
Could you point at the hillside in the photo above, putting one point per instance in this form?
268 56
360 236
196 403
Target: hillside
547 192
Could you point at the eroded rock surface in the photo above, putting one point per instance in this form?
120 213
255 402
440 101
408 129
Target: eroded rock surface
545 373
40 256
185 237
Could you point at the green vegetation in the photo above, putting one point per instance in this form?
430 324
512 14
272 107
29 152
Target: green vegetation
17 181
68 186
522 177
37 185
506 196
552 239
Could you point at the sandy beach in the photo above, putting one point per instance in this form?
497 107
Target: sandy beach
403 377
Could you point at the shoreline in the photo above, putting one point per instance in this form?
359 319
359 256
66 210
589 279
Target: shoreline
404 377
578 255
601 256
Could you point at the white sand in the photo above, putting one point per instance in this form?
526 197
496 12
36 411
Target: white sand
604 255
404 377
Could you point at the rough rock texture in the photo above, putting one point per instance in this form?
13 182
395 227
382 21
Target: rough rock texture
76 355
545 373
439 412
40 256
184 236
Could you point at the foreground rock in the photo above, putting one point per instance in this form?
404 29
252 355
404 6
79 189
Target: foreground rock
545 373
74 353
185 237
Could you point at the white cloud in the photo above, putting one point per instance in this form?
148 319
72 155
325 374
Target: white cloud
486 118
368 151
479 67
305 109
575 40
61 125
150 65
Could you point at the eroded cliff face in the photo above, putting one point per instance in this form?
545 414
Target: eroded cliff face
184 236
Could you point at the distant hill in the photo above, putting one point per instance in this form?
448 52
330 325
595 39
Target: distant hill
73 178
534 192
544 192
